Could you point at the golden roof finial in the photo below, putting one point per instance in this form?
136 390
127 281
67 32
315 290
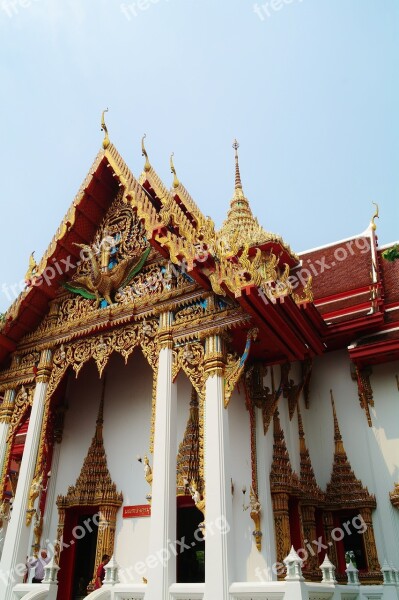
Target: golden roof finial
238 184
147 165
105 130
32 267
376 215
339 446
176 182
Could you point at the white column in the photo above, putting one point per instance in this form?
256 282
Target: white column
50 499
17 538
264 445
163 504
218 502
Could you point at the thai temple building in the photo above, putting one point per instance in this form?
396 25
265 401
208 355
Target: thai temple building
216 413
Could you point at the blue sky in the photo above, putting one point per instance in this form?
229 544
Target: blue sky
308 87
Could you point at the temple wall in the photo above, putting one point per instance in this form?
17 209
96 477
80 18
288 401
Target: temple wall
372 452
127 414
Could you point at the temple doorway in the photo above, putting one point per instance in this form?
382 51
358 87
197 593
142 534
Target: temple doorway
84 559
190 562
79 552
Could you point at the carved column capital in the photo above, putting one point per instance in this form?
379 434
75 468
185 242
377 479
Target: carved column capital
45 366
215 353
7 406
165 339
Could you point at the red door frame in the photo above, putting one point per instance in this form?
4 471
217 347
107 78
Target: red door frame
68 553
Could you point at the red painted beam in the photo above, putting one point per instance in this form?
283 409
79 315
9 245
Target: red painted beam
272 336
271 314
297 316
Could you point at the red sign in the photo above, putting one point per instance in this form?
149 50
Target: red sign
140 510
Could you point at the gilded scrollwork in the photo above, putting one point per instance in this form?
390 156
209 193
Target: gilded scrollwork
21 403
235 366
190 358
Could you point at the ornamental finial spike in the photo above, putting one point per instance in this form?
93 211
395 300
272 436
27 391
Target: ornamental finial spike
238 185
376 215
339 446
176 182
147 165
105 130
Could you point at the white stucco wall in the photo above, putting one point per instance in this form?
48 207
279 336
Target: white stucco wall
127 414
373 452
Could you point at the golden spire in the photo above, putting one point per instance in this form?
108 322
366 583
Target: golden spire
176 182
282 477
94 485
147 165
105 130
376 215
240 227
339 446
307 477
238 184
187 465
344 490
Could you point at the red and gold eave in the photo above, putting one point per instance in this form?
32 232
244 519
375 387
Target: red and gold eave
287 331
382 345
79 226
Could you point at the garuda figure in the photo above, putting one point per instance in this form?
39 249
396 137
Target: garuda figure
105 276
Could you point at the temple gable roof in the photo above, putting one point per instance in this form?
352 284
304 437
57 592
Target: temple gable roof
242 262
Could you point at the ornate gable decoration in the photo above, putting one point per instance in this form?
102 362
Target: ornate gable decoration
94 486
117 254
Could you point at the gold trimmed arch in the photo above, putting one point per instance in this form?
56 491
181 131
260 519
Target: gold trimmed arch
74 355
20 407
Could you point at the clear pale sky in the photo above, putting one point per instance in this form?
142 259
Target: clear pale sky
308 87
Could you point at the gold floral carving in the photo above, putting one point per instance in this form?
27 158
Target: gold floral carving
235 367
260 395
190 359
21 371
122 340
19 405
364 389
394 496
307 293
255 514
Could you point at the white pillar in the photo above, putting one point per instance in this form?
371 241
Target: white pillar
218 502
17 538
264 453
50 499
163 504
